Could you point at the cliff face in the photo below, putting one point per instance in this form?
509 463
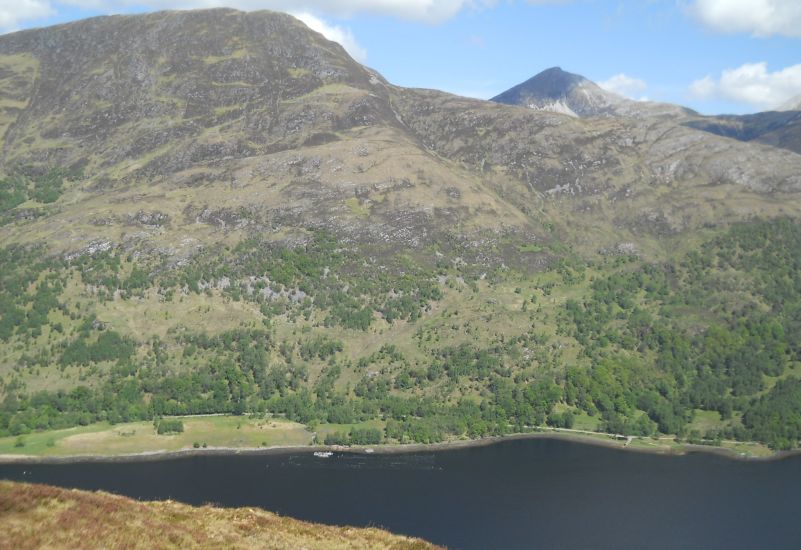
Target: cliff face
40 516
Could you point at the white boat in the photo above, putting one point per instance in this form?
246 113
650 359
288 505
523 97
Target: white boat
323 454
369 451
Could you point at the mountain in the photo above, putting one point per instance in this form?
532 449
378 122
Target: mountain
221 212
781 128
189 126
71 518
562 92
571 94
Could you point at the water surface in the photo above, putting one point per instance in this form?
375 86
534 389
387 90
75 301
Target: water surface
536 493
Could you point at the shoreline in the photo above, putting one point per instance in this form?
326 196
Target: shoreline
390 449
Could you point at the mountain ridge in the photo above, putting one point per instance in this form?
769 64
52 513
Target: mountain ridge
183 107
571 94
781 128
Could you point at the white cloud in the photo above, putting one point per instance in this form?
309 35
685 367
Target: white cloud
429 11
12 13
751 83
32 9
758 17
625 85
337 34
704 88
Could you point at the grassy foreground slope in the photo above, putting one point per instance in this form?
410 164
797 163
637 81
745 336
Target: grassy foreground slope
40 516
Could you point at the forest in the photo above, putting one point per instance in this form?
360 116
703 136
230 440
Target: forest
716 329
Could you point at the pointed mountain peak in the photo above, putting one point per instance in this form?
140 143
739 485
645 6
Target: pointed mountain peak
554 83
557 90
568 93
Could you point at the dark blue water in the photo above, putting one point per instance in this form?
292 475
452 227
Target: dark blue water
536 493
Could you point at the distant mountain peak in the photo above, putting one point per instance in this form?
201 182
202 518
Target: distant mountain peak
550 84
560 91
555 82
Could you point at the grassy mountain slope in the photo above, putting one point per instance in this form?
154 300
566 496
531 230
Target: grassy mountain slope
215 211
39 516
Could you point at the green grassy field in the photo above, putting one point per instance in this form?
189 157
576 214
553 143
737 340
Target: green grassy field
140 437
704 421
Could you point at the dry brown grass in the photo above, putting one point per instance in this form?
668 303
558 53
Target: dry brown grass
40 516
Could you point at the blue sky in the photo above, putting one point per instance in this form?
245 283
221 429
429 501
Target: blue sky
733 56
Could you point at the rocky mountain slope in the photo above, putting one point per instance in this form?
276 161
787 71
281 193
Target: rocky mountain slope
187 126
40 516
